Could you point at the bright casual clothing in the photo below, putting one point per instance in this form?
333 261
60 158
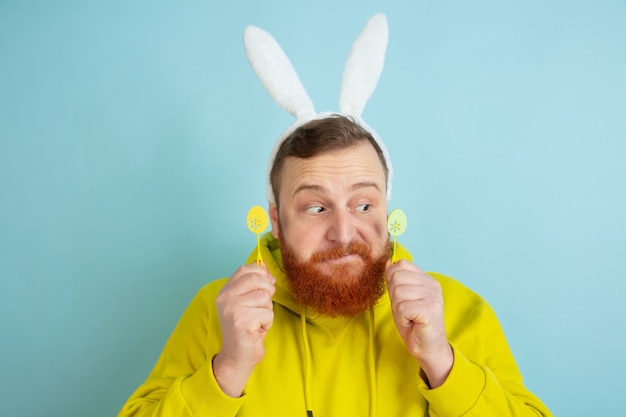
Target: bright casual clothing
356 366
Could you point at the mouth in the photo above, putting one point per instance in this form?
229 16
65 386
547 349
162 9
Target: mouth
349 257
342 255
341 263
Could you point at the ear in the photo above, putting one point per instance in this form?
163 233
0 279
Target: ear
274 220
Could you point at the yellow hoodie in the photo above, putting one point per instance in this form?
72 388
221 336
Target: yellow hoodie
331 367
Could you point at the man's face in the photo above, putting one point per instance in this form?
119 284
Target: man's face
332 219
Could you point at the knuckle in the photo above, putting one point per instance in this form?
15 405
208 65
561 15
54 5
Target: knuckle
395 293
403 308
240 319
222 298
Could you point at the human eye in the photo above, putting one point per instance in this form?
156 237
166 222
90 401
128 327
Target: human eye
364 208
315 209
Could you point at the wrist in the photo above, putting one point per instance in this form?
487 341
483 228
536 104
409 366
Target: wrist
437 367
230 376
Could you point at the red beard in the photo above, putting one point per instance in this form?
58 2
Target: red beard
342 289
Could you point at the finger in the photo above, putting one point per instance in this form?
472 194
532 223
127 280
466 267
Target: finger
248 323
410 277
416 312
401 265
252 269
405 314
230 301
244 309
266 319
246 282
255 319
405 292
256 299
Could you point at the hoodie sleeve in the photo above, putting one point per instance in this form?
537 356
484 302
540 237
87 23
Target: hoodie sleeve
182 381
484 380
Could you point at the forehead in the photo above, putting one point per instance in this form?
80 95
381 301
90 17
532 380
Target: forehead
337 169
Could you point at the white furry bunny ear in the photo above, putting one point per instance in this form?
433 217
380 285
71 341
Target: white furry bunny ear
277 74
364 66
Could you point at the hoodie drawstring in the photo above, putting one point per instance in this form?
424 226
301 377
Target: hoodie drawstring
307 364
371 354
372 365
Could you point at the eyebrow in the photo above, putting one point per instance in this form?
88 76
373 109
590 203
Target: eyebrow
319 188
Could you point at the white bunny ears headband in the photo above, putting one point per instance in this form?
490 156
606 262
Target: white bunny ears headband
360 76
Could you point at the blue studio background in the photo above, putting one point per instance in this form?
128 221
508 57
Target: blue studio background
134 138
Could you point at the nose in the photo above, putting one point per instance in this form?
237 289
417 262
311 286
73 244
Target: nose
342 229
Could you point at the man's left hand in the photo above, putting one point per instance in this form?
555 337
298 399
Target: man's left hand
417 307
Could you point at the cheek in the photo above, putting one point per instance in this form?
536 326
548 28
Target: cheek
379 234
380 227
301 238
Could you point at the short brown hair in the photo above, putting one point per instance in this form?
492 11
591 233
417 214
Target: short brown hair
320 136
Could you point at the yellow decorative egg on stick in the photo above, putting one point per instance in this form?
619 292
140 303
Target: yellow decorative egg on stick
257 223
396 225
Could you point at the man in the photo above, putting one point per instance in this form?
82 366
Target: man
328 325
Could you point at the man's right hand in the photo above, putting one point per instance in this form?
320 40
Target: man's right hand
245 310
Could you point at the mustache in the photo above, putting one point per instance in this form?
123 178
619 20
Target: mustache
354 248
